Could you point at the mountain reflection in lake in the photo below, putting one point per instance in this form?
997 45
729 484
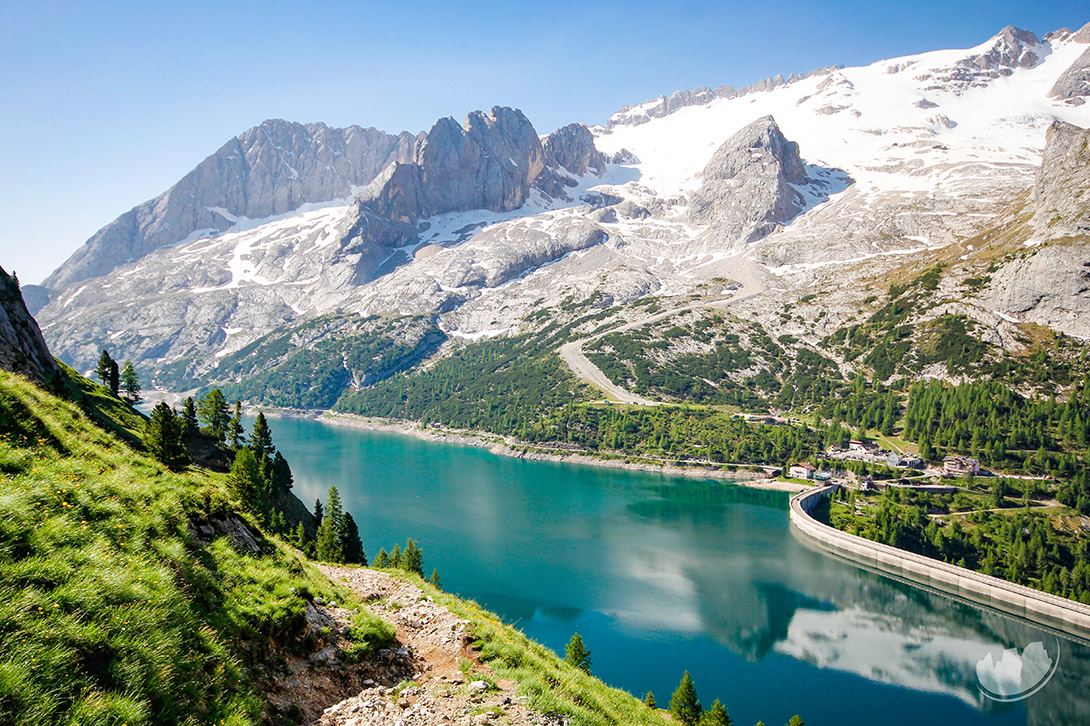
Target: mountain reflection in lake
664 575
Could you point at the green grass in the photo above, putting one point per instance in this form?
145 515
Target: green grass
111 610
551 685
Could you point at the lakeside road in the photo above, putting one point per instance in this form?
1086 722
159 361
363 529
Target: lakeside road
572 352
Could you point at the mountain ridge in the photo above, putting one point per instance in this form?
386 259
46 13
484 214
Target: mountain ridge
901 160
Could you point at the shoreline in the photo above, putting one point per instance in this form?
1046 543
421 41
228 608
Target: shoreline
1036 606
504 446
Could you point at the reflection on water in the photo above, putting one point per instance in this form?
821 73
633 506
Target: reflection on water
665 575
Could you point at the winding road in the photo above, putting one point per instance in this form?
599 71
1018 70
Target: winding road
572 353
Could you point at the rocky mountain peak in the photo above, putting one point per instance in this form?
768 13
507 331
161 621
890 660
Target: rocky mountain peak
22 347
1011 48
487 163
747 187
569 153
572 147
268 170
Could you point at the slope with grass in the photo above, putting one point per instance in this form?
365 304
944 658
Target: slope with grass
132 594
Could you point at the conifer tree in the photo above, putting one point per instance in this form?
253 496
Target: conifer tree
395 557
715 716
796 721
261 437
412 558
329 548
281 475
318 512
163 437
299 539
213 411
130 382
434 580
246 480
684 706
649 700
190 427
351 543
115 378
235 431
103 369
382 560
577 654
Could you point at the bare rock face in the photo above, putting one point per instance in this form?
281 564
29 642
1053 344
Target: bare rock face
572 147
1074 85
489 163
268 170
1013 48
1062 191
747 190
1051 284
569 153
22 347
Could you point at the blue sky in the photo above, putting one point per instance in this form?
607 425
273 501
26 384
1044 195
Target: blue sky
107 104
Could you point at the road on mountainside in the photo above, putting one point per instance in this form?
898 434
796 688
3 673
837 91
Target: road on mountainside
572 353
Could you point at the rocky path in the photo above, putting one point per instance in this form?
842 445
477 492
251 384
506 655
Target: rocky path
444 682
572 353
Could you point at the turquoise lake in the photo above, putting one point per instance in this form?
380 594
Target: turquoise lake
662 575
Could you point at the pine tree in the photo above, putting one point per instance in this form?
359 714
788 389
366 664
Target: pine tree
715 716
299 539
684 705
329 548
115 378
796 721
318 513
130 382
235 432
280 476
395 557
382 560
163 437
261 437
435 578
350 542
577 655
247 481
189 418
103 369
213 411
649 699
412 558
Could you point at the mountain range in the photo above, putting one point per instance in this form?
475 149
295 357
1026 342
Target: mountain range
796 202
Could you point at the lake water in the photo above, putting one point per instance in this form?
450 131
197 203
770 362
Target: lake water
662 575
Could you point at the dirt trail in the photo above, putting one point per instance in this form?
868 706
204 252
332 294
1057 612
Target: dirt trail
434 647
572 353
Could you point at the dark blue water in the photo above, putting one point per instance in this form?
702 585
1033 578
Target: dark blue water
662 575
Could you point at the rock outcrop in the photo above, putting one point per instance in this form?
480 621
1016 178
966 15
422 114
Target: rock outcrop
1062 190
1051 284
569 153
1074 85
489 163
747 189
22 347
268 170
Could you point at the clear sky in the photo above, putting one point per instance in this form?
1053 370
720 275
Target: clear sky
106 104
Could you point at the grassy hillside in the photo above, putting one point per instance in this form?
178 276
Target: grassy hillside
133 595
112 610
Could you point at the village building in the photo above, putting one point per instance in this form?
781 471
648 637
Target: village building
904 461
804 470
960 466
